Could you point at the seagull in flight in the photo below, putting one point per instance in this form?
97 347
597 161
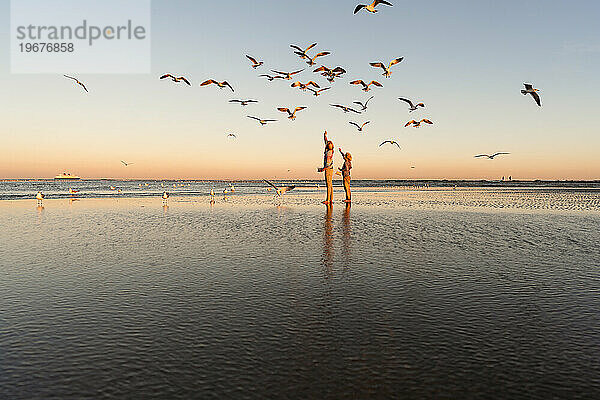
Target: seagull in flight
262 121
255 64
76 80
371 7
344 108
533 92
311 61
243 102
413 107
291 115
304 86
127 164
176 79
417 124
287 75
392 142
365 86
386 69
363 106
360 127
302 53
270 78
280 190
330 74
219 84
490 157
232 135
318 91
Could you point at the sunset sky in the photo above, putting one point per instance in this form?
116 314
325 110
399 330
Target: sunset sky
467 60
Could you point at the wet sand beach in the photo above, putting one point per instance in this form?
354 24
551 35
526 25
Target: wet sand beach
478 293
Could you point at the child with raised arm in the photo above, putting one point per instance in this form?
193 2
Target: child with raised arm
328 168
346 174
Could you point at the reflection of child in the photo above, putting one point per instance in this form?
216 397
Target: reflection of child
346 174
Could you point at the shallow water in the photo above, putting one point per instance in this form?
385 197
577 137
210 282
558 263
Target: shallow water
412 293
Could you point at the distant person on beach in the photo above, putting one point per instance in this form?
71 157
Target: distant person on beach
346 173
328 168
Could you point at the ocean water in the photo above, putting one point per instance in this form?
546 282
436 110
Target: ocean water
408 293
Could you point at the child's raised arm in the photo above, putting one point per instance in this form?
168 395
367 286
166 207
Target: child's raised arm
325 137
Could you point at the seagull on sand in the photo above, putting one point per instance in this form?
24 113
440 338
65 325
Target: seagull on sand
360 127
417 124
287 75
392 142
255 64
291 115
413 107
386 69
317 92
490 157
76 80
280 190
371 7
344 108
243 102
176 79
302 53
304 86
364 85
533 92
262 121
219 84
72 191
127 164
363 106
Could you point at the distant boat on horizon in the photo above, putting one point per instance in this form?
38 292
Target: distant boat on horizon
65 176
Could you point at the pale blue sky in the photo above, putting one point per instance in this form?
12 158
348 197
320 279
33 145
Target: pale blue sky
466 60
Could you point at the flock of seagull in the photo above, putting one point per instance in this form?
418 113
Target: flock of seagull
331 74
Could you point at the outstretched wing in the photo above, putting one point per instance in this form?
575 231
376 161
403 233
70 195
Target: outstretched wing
382 2
427 121
283 109
537 99
228 85
376 83
358 82
396 61
368 100
355 124
410 103
309 47
269 183
378 65
208 82
298 109
363 125
296 72
256 118
162 77
252 59
185 80
387 141
358 7
410 123
498 154
481 155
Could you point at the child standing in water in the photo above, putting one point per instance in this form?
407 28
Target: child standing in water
346 174
328 168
